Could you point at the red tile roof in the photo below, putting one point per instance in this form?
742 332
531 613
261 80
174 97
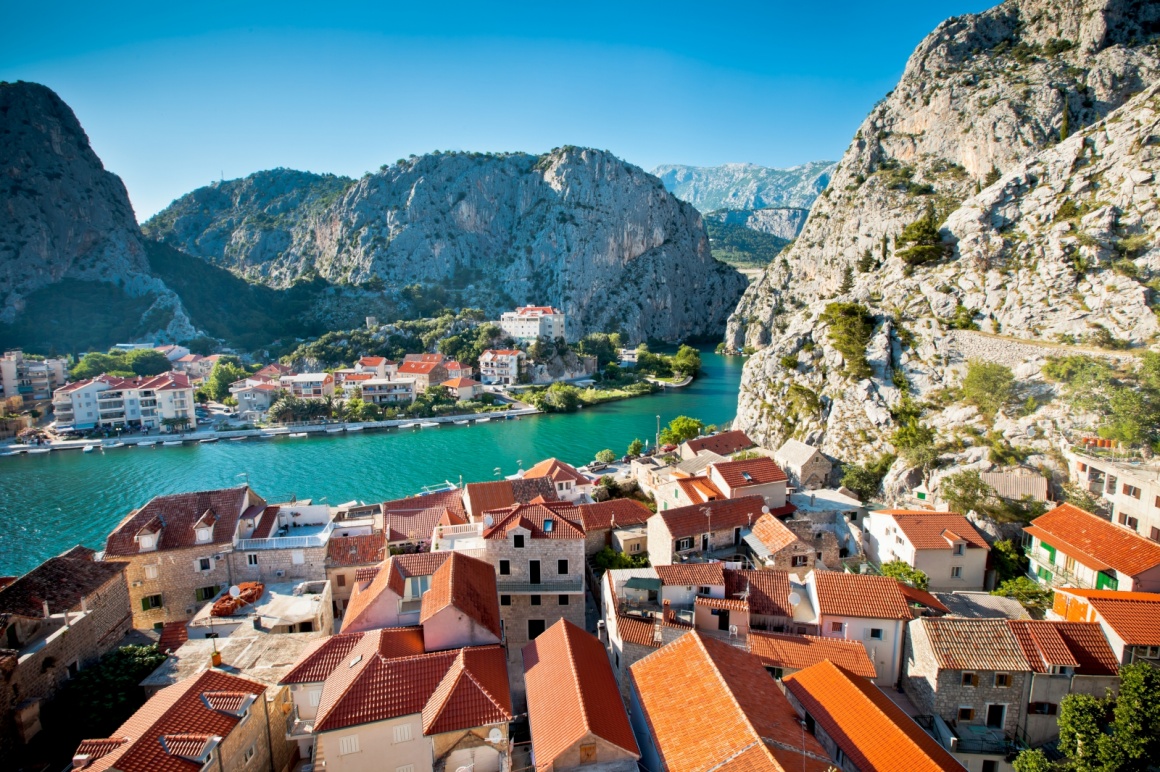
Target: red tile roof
922 598
1079 645
773 533
176 514
460 383
935 530
709 705
474 692
796 652
498 494
1094 541
572 692
429 358
61 582
723 444
176 711
751 471
767 591
873 732
692 574
557 471
860 595
391 576
636 630
418 368
173 635
372 361
467 585
322 658
619 513
535 518
724 514
359 550
1135 620
972 644
699 489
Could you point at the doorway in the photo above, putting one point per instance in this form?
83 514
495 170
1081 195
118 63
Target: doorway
996 716
534 571
723 620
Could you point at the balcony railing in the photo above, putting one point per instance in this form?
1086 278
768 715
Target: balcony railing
565 587
298 728
287 542
1060 575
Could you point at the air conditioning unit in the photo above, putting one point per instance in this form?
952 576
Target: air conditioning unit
138 584
217 556
190 609
279 573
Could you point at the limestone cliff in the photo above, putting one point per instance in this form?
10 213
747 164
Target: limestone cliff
575 228
746 186
782 222
1044 240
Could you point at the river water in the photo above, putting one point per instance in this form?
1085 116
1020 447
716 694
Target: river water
50 502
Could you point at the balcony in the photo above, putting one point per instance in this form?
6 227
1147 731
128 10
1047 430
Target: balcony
1060 575
564 587
316 536
467 539
968 738
298 728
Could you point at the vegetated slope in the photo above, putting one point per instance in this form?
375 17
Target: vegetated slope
575 228
67 219
746 186
739 245
958 206
783 222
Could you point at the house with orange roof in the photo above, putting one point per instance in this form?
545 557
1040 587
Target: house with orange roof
699 703
699 532
616 523
772 544
481 497
783 654
751 477
1130 620
569 483
424 374
411 521
463 388
1068 547
685 490
308 385
150 402
575 713
860 727
722 443
501 366
344 556
943 545
391 593
210 721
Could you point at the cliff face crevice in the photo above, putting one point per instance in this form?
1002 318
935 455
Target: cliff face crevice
1044 239
576 228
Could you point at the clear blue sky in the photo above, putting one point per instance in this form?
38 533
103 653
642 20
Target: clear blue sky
174 95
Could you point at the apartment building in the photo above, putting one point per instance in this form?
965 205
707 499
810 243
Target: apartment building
31 379
154 402
944 546
527 323
1131 489
1068 547
424 374
501 366
308 385
387 391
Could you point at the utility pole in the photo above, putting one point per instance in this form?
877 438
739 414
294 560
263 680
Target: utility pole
658 438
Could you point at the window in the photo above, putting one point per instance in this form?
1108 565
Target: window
1155 534
518 541
252 559
548 525
151 572
535 627
1002 680
800 560
587 754
776 672
970 679
505 568
247 754
348 744
836 627
150 602
562 600
315 696
402 733
73 669
505 600
1131 490
204 564
1123 519
990 765
684 544
535 600
966 714
1134 523
561 567
340 579
205 593
959 549
635 546
956 572
703 590
415 586
875 633
297 557
203 535
147 542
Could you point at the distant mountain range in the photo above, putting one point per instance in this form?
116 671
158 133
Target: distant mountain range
746 186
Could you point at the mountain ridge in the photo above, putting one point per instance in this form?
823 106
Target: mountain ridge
746 185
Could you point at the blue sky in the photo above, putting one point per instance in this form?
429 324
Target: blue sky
175 95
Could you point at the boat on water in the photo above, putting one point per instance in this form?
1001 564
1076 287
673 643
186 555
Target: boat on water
89 448
114 445
355 428
461 423
208 440
409 426
427 424
238 439
298 434
482 420
334 431
13 452
38 451
172 442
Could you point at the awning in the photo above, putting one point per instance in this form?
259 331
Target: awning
643 583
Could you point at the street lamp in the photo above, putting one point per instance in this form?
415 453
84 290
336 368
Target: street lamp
658 438
709 516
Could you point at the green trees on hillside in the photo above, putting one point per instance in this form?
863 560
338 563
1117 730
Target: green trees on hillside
142 361
1127 401
988 386
851 327
681 429
865 480
920 241
226 371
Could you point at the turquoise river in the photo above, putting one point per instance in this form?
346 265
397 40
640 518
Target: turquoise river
53 501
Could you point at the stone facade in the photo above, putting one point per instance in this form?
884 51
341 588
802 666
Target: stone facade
171 585
278 565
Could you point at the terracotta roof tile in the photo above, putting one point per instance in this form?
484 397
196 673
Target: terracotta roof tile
860 595
460 383
1078 645
322 658
724 514
468 585
728 604
636 630
751 471
173 635
708 704
798 652
571 692
60 581
922 598
499 494
973 644
723 444
391 576
768 591
557 471
622 512
699 489
473 692
692 574
874 733
1042 645
359 550
1094 541
417 525
535 518
935 530
1136 621
773 533
176 515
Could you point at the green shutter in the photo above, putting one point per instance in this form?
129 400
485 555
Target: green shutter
1043 574
1048 549
1105 582
145 603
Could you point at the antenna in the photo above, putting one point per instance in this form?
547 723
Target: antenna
765 509
494 736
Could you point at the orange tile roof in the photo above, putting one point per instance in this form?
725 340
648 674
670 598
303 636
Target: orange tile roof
618 512
922 598
180 709
874 733
860 595
728 604
498 494
176 514
557 471
699 489
1135 620
800 651
973 644
320 660
1094 541
692 574
773 533
636 630
710 705
372 361
449 499
359 550
751 471
460 383
419 368
1079 645
935 530
534 518
391 576
724 514
723 444
571 692
473 692
467 585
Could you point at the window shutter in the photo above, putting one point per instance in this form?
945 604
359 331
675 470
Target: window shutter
145 603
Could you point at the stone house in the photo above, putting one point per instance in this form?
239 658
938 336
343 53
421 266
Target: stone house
751 477
1070 547
345 555
772 544
58 619
213 720
391 593
805 465
481 497
713 528
569 483
943 545
285 542
722 443
603 519
176 550
409 522
576 717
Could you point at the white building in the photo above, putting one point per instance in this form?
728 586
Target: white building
500 366
29 379
943 545
309 385
108 401
528 323
1130 488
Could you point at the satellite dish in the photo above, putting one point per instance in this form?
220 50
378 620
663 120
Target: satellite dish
488 521
235 591
765 510
794 599
494 736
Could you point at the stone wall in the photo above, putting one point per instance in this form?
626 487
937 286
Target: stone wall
961 346
294 564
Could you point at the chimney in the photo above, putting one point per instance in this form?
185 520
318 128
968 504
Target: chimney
45 606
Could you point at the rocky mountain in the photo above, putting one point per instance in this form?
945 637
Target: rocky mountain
958 206
782 222
746 186
67 219
575 228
